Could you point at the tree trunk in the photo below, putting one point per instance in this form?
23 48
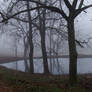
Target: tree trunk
25 55
30 41
44 54
42 34
72 53
50 60
31 59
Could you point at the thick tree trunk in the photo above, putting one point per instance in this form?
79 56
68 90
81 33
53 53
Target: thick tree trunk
72 53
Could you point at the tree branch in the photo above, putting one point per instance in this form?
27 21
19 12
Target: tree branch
68 5
52 8
74 4
81 3
78 11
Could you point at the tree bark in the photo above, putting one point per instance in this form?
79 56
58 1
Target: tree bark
72 52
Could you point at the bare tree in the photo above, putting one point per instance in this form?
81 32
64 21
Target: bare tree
30 40
42 29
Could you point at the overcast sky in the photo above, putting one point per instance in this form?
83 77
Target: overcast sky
83 23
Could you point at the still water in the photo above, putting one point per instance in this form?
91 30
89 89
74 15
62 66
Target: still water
84 65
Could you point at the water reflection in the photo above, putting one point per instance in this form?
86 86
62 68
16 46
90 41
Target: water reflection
84 65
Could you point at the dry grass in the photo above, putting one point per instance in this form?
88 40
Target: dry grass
15 81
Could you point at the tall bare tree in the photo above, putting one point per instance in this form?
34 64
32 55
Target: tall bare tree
42 30
30 39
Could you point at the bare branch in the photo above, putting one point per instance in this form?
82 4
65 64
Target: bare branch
69 6
74 3
52 8
81 3
78 11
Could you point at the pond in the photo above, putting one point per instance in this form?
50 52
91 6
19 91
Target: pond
84 65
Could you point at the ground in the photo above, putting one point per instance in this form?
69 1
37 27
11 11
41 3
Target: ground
16 81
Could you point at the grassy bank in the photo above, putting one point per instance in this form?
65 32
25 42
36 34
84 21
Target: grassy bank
14 81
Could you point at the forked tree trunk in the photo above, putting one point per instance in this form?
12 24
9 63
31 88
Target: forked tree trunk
72 52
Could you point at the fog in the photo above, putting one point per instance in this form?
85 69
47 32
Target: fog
84 65
83 31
